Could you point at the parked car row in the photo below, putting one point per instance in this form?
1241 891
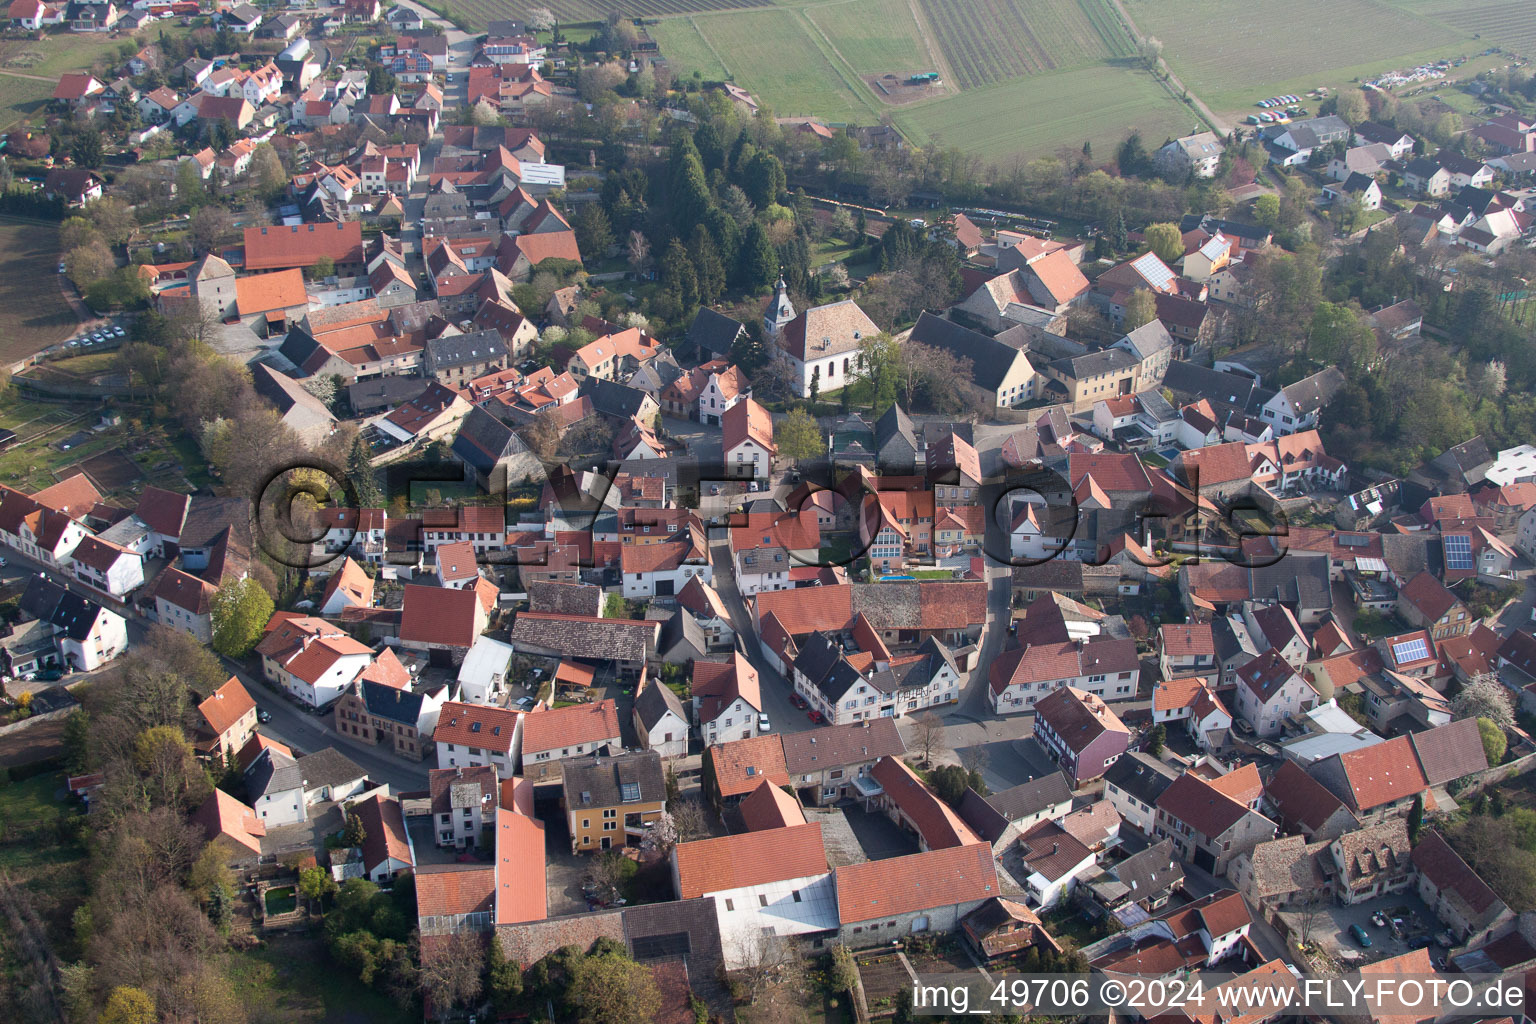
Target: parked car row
104 336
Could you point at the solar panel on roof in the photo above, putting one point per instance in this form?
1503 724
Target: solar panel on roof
1353 540
1458 552
1410 650
1154 270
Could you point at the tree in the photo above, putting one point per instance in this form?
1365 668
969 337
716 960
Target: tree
613 989
1140 309
89 263
798 436
503 979
1495 743
758 264
452 974
707 265
209 226
113 219
1311 903
209 870
1416 819
1484 697
844 972
1494 379
638 251
594 236
879 367
763 180
241 610
763 958
127 1005
323 268
1150 50
929 735
361 473
689 820
1266 209
171 775
1350 105
77 740
316 885
1132 156
679 281
540 19
87 149
1155 740
1166 240
267 170
688 197
354 833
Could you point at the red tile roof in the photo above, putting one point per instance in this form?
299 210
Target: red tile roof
448 890
935 821
477 725
75 495
521 893
749 859
223 815
1428 595
1195 802
571 726
351 580
1186 641
384 828
1382 773
768 806
226 706
436 615
879 889
741 764
302 245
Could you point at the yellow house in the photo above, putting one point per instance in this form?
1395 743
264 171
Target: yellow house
612 801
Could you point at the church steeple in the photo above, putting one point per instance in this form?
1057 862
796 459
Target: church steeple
780 310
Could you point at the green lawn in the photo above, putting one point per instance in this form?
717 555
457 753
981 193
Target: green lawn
42 855
686 50
294 981
1037 115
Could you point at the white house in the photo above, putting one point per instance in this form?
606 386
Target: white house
107 567
318 668
727 698
468 735
1268 691
773 882
748 441
661 721
650 570
822 343
464 801
276 788
483 675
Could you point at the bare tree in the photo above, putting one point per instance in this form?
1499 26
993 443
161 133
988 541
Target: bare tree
1484 697
451 973
688 820
974 759
1310 909
929 735
766 959
638 250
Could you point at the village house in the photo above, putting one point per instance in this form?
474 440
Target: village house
1207 826
578 731
463 803
613 801
1080 733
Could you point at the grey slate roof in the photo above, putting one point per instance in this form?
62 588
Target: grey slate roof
714 332
655 701
1301 578
329 767
602 782
1141 775
273 772
1031 797
609 398
483 441
991 360
387 702
1197 381
68 612
1109 360
454 350
1151 871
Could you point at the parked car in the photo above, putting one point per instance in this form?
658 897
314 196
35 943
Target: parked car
118 332
50 675
1360 935
263 715
62 268
794 698
762 723
815 716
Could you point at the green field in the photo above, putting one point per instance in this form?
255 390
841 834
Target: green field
1510 24
1233 55
989 41
777 56
22 99
874 36
1041 113
686 49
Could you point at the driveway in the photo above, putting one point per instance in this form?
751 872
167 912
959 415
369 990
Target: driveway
1330 930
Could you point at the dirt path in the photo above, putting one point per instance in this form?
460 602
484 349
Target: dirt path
35 78
1175 85
934 49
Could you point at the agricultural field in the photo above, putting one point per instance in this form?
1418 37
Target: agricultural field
777 55
33 313
1038 114
686 50
990 41
874 36
1509 24
1232 55
479 12
22 99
